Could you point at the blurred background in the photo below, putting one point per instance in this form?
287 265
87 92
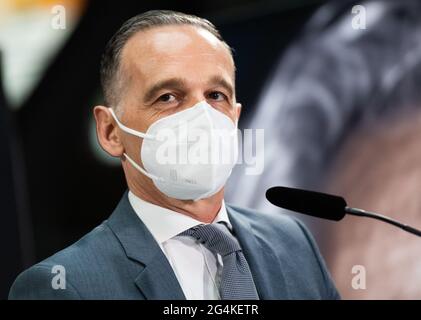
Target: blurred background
334 85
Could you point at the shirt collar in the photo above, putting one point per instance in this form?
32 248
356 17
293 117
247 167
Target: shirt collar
164 223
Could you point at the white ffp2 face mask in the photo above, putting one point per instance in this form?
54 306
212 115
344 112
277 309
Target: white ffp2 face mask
188 155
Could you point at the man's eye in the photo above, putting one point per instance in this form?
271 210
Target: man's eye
217 96
168 97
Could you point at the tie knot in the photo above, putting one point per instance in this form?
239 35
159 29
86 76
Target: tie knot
216 237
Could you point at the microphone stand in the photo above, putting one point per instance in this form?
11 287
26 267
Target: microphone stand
373 215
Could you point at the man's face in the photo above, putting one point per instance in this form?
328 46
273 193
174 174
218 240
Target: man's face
167 69
170 68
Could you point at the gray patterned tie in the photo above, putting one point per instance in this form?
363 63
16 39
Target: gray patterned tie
236 279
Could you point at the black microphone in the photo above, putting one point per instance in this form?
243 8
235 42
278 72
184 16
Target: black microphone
323 205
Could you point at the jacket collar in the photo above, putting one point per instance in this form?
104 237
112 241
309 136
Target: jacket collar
156 279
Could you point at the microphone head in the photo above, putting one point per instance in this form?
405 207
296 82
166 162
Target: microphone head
312 203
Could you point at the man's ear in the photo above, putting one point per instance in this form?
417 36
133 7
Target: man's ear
238 109
107 132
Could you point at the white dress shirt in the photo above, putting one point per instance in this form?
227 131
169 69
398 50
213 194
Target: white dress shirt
197 269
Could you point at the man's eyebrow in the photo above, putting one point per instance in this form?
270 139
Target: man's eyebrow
180 84
172 83
220 81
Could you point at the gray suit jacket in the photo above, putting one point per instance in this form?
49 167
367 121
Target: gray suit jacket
120 259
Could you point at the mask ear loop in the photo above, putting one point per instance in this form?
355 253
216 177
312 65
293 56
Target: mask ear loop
140 135
129 130
149 175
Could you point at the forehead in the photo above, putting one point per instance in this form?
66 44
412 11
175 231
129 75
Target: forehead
175 51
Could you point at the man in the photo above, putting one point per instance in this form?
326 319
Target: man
167 76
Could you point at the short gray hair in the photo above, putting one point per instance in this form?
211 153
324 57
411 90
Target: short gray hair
110 62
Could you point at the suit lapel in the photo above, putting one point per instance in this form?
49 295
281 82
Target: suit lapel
155 277
158 282
261 258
